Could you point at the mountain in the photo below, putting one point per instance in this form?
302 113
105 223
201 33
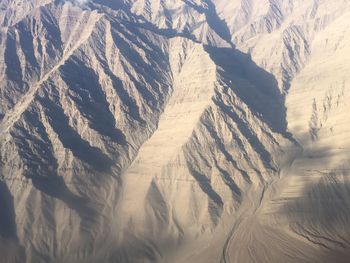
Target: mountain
174 131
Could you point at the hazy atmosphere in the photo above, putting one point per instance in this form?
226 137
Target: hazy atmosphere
174 131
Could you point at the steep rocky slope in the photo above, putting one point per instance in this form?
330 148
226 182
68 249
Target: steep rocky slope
174 131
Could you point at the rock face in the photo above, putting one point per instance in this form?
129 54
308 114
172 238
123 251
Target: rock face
174 131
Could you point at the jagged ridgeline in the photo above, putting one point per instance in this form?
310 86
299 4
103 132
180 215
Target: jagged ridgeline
174 131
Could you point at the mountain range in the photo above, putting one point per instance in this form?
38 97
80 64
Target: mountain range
174 131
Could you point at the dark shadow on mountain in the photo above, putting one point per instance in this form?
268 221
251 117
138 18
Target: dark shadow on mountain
10 248
128 101
167 32
32 29
55 187
321 213
36 151
103 4
221 146
205 185
157 208
132 20
33 143
71 140
242 148
336 256
143 41
324 203
87 93
8 228
236 191
214 21
215 204
257 88
134 248
155 53
26 43
13 66
246 131
212 18
50 27
132 108
151 85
